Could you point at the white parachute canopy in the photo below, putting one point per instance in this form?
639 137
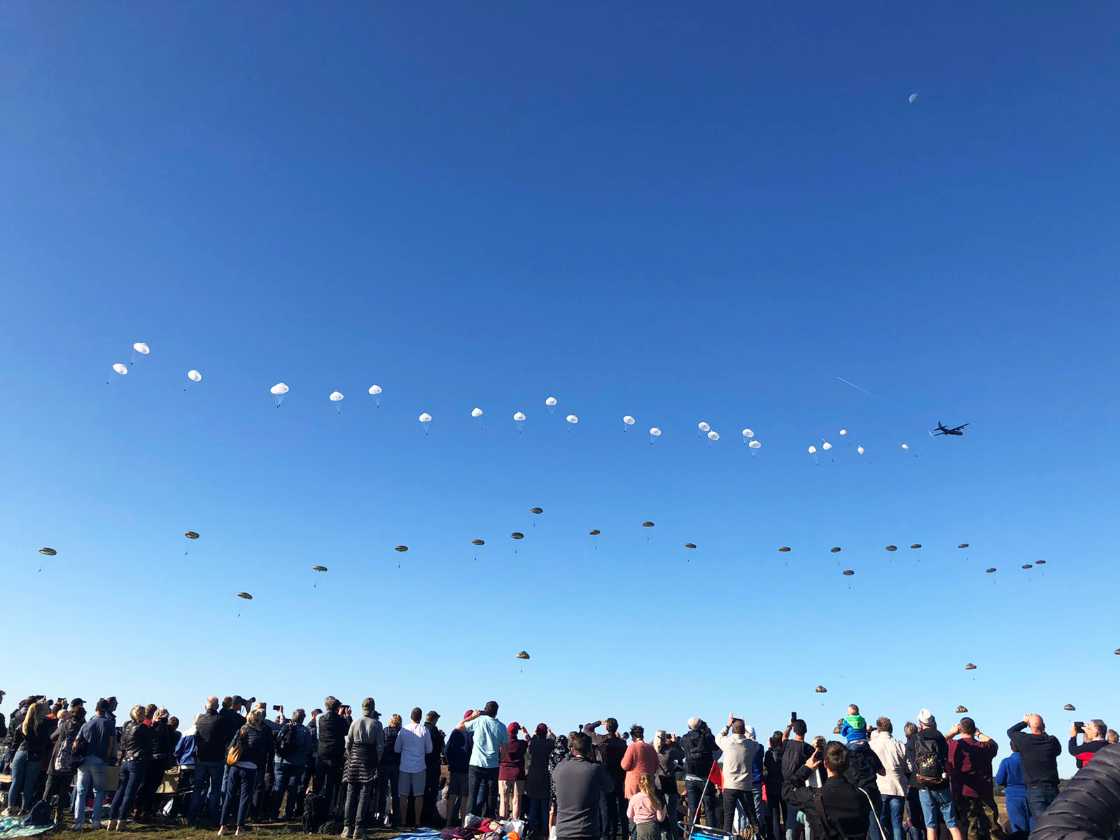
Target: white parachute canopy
551 402
812 450
573 419
375 390
755 444
826 446
141 348
748 434
860 449
627 420
425 418
279 389
905 446
121 369
519 416
654 432
912 98
194 376
337 396
713 435
843 433
476 412
704 426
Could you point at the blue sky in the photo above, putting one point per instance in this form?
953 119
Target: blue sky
676 213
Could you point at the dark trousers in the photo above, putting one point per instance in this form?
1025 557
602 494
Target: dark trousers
458 789
429 816
131 778
153 778
609 807
914 806
483 784
358 796
692 790
328 777
287 779
58 784
980 816
239 788
737 798
208 786
777 809
388 787
1039 798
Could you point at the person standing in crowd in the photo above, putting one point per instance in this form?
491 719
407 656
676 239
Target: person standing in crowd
1038 753
645 809
252 747
413 744
1010 777
136 752
364 744
331 730
511 774
931 775
538 778
970 779
698 746
772 780
837 809
212 734
895 779
795 754
1094 732
739 756
864 767
389 775
95 740
670 761
580 786
489 736
164 740
559 755
34 748
293 752
458 753
639 759
913 801
433 767
1113 737
63 762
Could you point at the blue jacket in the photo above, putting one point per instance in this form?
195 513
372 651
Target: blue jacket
302 745
184 751
1010 775
458 750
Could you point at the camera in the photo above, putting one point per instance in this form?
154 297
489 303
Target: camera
277 708
792 717
1079 725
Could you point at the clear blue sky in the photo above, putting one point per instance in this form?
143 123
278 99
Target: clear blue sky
678 213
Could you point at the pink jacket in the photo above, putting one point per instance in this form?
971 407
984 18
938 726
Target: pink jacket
640 758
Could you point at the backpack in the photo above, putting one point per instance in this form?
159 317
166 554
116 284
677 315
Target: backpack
286 742
929 766
39 816
314 813
66 760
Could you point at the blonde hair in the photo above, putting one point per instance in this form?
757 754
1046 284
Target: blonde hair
255 717
33 717
646 786
395 720
137 713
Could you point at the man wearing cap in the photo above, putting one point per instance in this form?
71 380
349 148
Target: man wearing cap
931 775
490 736
428 815
1038 753
458 752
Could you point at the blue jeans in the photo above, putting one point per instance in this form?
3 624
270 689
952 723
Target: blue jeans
1039 798
937 803
538 816
693 790
132 776
207 783
1018 814
25 773
483 784
91 773
286 777
241 781
891 816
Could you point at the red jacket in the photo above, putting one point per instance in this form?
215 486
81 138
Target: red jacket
970 767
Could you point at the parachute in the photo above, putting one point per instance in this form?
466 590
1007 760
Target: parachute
1069 707
836 549
860 450
785 549
748 434
820 689
425 420
245 596
194 376
594 532
891 548
1040 562
905 447
961 710
141 348
912 98
551 402
478 541
647 524
713 435
522 655
826 446
400 549
572 419
536 510
476 412
849 572
843 433
337 396
704 426
1117 652
971 666
627 422
375 390
47 551
915 545
120 369
963 545
279 389
318 568
991 570
690 546
755 444
517 535
812 450
191 535
1027 566
654 432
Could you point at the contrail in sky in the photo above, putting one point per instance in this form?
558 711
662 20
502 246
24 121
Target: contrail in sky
854 385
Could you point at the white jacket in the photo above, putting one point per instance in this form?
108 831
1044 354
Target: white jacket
893 755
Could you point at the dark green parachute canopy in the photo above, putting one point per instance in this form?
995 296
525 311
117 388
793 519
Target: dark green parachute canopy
523 655
594 532
318 568
1069 707
401 548
245 595
1027 566
647 524
517 535
785 549
1040 562
915 545
690 545
971 666
191 535
536 510
892 548
990 570
820 689
836 549
1117 651
478 541
963 545
849 572
962 710
47 551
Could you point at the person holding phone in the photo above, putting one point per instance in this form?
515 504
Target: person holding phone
1094 738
